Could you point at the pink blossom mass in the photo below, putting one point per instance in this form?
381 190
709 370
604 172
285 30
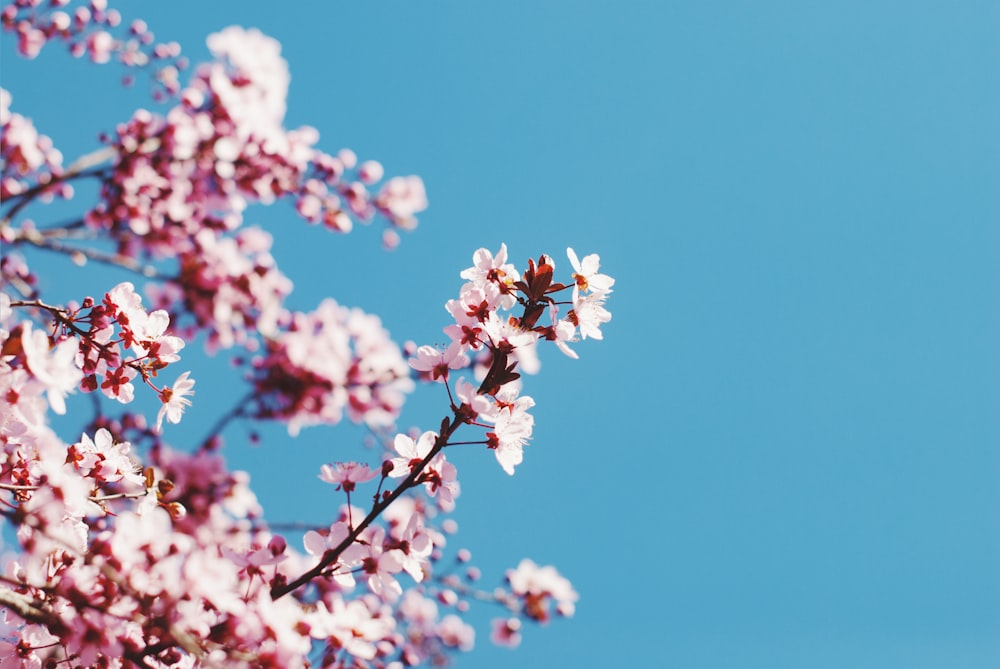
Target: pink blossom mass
132 551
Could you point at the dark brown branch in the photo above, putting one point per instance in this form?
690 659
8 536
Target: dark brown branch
331 556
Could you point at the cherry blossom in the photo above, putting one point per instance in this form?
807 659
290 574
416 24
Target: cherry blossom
401 198
353 625
565 333
537 585
29 158
105 460
411 451
255 559
493 274
506 632
380 565
174 400
511 431
437 363
589 314
585 274
346 475
415 546
54 369
129 551
318 544
328 362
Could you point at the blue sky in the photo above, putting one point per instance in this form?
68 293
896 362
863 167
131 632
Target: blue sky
785 451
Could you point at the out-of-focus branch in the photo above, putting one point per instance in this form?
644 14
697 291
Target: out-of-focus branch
80 168
78 254
24 606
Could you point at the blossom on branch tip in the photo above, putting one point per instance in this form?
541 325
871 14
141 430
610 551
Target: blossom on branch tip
174 400
585 273
164 557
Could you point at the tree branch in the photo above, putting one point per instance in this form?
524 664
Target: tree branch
331 556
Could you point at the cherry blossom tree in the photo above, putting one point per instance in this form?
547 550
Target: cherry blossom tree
131 551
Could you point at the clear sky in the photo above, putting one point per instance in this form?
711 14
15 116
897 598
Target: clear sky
786 451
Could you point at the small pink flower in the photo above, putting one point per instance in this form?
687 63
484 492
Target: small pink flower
104 459
55 368
565 333
370 171
99 46
412 452
317 543
174 400
250 562
536 585
415 546
590 314
346 474
437 362
442 481
585 273
401 198
380 565
506 632
512 430
455 633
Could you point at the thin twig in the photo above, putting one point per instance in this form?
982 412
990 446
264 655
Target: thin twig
48 243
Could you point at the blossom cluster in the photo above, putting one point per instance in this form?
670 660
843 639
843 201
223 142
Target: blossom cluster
133 552
97 346
169 564
93 30
27 156
494 286
229 287
224 146
329 362
485 323
174 188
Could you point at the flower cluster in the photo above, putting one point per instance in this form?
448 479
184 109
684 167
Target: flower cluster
97 346
27 158
485 323
133 553
328 362
91 29
119 573
532 590
439 477
229 287
222 147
